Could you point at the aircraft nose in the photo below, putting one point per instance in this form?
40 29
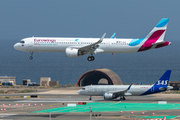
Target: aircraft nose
16 46
78 91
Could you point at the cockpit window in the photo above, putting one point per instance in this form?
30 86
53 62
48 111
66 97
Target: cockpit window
22 42
83 89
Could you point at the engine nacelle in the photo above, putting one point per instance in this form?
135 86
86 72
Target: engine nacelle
109 96
72 52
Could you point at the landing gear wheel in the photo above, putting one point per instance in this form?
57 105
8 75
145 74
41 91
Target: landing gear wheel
92 58
124 98
30 57
89 58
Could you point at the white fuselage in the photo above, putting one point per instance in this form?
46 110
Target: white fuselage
41 44
99 90
135 90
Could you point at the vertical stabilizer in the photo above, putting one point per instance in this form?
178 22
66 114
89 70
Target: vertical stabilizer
158 32
156 35
161 84
164 80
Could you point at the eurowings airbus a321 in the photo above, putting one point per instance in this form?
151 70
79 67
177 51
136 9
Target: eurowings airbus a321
114 91
76 47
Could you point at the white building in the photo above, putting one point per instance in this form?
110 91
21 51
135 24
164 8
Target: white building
8 79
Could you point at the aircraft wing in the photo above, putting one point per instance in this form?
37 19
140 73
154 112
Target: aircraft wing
120 92
92 47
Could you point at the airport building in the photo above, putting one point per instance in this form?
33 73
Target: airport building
46 81
53 83
101 76
26 82
175 84
7 80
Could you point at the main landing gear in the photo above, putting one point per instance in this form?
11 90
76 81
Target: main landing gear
122 98
31 57
90 98
91 58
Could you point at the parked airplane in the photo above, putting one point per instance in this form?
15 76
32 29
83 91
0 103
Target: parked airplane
76 47
114 91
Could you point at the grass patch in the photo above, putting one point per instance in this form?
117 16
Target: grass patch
58 86
26 91
68 85
7 97
2 92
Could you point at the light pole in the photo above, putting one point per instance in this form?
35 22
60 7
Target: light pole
90 113
50 116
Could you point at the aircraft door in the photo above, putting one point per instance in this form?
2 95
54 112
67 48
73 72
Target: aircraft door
108 44
30 44
89 88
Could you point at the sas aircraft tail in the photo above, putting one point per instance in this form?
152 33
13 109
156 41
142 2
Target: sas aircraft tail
164 80
155 38
161 85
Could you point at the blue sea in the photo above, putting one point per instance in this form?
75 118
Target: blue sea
145 67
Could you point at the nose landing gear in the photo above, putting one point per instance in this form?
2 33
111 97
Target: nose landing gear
31 57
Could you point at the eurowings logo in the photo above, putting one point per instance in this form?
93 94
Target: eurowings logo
118 41
162 82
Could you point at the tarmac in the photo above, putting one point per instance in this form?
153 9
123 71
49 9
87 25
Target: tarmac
54 106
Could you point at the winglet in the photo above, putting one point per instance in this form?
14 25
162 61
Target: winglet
112 37
101 39
129 87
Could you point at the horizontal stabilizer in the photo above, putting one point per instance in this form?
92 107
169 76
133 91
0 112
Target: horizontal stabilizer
159 43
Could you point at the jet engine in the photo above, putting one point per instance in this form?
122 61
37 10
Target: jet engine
73 52
109 96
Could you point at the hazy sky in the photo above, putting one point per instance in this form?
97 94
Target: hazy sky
83 18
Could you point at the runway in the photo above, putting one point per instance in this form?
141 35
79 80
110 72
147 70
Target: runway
18 112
